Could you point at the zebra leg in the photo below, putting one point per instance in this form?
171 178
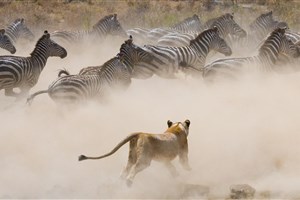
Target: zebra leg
10 93
24 93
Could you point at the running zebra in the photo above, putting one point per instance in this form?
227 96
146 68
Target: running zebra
225 24
263 25
294 36
96 82
108 25
5 42
277 43
259 30
169 60
17 30
150 36
24 72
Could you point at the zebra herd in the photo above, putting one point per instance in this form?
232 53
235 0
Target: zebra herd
164 52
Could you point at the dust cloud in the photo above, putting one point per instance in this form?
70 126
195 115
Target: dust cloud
244 131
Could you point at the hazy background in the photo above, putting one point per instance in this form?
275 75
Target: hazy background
241 132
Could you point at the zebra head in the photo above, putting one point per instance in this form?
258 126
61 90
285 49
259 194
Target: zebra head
211 40
19 29
51 48
233 28
226 25
264 24
131 54
5 42
278 43
109 25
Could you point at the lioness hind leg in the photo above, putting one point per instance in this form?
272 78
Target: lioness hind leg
131 159
140 165
172 169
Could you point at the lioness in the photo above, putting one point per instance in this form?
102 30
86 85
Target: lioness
145 147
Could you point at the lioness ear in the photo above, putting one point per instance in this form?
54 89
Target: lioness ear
187 122
169 123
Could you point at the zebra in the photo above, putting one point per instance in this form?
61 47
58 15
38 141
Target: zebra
225 24
170 60
17 30
108 25
6 43
277 43
24 72
152 35
263 25
259 30
294 36
95 82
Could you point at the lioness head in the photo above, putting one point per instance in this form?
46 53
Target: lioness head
179 126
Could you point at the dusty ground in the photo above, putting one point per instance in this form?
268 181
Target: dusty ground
241 132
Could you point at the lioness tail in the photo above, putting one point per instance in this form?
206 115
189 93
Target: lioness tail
124 141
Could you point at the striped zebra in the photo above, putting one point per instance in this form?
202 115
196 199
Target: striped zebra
5 42
263 25
24 72
95 82
259 30
17 30
294 36
170 60
225 24
277 43
150 36
108 25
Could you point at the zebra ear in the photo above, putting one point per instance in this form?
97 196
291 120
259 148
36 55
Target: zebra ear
22 20
169 123
46 34
270 13
115 17
231 16
2 31
215 29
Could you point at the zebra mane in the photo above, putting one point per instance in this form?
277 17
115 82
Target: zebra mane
106 18
187 21
19 20
222 17
46 35
270 39
204 33
262 17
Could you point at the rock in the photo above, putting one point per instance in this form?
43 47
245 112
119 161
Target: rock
241 191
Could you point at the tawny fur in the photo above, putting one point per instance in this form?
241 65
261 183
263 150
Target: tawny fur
145 147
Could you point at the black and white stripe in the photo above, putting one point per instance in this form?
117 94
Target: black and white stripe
225 24
24 72
277 43
151 36
108 25
17 30
95 82
6 43
169 60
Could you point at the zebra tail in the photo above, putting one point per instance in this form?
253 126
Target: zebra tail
31 97
63 71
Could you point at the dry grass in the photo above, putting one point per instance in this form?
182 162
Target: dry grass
82 14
